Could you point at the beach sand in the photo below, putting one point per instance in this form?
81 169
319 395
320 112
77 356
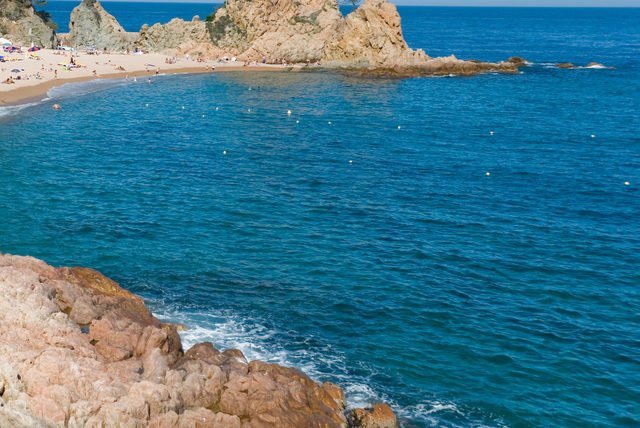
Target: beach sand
42 70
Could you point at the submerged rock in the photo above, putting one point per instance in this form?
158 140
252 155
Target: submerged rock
565 65
78 350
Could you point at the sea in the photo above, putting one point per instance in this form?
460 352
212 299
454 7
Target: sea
466 249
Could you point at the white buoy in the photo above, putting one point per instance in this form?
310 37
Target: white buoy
224 152
289 112
203 116
350 161
626 183
329 122
399 127
216 108
249 110
593 135
488 174
491 133
297 121
146 105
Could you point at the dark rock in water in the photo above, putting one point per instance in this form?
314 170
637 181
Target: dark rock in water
565 65
380 416
130 370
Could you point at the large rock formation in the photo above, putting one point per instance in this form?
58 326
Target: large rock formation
91 25
294 31
20 23
77 350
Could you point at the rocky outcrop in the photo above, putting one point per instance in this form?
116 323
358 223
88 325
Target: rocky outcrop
91 25
371 37
77 350
277 30
20 23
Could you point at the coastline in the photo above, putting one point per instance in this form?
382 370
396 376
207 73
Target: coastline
33 90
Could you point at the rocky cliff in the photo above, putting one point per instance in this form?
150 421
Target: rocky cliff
20 23
76 350
91 25
294 31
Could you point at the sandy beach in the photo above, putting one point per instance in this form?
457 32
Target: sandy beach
27 76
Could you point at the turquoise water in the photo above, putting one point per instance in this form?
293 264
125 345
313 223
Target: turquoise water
406 275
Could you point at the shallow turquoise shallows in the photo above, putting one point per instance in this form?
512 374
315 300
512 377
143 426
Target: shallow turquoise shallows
380 236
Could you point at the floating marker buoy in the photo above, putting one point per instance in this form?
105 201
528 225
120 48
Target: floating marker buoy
593 135
491 133
399 127
626 183
146 105
289 112
216 108
182 107
203 115
224 152
297 121
350 161
249 110
487 174
329 122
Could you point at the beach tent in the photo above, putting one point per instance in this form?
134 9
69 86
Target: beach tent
5 42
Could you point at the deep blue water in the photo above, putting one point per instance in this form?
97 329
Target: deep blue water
408 275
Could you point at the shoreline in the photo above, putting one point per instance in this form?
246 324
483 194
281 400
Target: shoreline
36 93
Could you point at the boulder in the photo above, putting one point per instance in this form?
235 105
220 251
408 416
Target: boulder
565 65
129 369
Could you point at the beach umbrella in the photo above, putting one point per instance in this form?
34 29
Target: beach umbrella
15 70
34 49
